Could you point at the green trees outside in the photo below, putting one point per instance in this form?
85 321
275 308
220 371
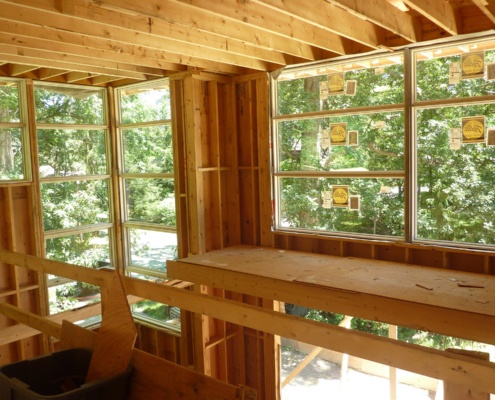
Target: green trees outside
75 192
380 148
456 195
454 187
74 158
148 185
11 136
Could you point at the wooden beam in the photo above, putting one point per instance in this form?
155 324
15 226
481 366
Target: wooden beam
41 58
252 14
34 321
18 332
49 73
16 70
384 14
28 35
134 32
430 362
330 18
447 310
14 34
83 274
441 13
191 17
487 7
425 361
160 25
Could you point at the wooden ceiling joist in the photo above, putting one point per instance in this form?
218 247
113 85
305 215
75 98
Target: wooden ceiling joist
321 14
122 40
383 14
441 13
487 7
272 21
40 58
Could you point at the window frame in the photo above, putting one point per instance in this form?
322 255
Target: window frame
277 175
410 108
52 282
127 226
123 176
23 125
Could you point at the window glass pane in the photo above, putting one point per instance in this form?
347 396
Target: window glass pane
10 110
71 295
151 249
456 194
436 76
151 200
72 204
157 311
366 206
143 104
88 249
11 159
67 152
148 150
357 84
366 142
69 105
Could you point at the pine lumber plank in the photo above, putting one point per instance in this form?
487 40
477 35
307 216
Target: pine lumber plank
264 178
350 26
33 320
430 362
454 391
275 23
422 360
372 289
78 273
200 23
441 13
156 378
379 278
385 15
117 334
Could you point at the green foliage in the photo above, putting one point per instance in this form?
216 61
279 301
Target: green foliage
157 311
76 190
414 336
11 141
68 295
455 192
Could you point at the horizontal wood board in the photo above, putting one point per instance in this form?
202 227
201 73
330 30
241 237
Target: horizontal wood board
433 286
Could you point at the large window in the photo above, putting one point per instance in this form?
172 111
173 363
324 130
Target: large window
13 130
362 147
147 187
339 164
455 135
74 173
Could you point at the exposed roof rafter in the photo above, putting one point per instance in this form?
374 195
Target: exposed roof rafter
115 41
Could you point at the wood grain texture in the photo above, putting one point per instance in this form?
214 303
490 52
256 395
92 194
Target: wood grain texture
116 337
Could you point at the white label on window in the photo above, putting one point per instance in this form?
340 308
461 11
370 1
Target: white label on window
454 73
455 139
324 90
327 199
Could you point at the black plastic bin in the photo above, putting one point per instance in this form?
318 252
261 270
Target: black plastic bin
60 375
